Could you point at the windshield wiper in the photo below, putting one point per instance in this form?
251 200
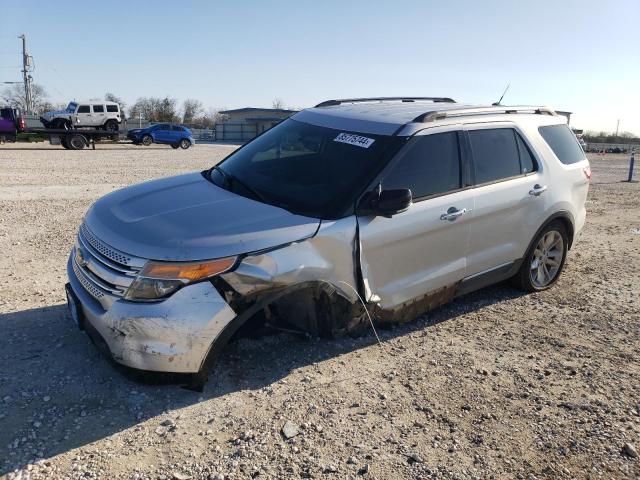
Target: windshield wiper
232 180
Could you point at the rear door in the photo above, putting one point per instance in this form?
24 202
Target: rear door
506 215
423 249
99 115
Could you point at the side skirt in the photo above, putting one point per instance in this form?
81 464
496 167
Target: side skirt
488 277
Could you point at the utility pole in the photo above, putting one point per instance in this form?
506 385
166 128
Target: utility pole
26 78
617 127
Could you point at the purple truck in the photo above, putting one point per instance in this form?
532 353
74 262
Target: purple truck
11 123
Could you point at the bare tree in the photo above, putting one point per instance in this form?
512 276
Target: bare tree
191 110
277 103
15 97
155 109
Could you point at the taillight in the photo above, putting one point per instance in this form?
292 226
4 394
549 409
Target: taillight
21 124
587 172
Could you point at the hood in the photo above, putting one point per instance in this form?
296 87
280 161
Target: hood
54 113
189 218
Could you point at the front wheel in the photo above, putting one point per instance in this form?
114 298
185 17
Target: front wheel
184 143
147 140
545 259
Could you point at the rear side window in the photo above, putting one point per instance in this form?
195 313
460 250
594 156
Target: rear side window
563 143
429 165
495 154
84 109
112 108
176 128
98 109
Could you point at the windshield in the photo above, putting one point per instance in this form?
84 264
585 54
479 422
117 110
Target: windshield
306 169
71 107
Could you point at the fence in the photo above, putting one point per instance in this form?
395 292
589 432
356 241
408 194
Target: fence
599 147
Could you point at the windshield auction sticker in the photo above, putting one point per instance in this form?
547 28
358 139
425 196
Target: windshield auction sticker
356 140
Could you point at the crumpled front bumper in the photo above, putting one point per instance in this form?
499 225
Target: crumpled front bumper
174 335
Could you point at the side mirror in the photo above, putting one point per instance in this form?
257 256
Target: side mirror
386 202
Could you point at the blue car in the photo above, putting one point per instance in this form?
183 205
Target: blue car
165 133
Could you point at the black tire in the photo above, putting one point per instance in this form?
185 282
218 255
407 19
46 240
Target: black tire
184 144
63 142
528 277
175 146
147 140
111 126
61 123
76 142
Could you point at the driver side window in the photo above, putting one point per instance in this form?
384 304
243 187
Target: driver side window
429 165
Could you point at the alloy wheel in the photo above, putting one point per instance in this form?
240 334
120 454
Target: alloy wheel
547 259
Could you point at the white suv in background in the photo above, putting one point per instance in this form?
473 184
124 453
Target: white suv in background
403 203
93 114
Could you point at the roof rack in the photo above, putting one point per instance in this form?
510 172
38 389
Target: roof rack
331 103
458 112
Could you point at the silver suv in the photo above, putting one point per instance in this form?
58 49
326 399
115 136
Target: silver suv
399 204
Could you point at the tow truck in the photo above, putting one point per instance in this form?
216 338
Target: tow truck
13 123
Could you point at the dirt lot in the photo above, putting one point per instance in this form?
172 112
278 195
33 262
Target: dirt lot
495 385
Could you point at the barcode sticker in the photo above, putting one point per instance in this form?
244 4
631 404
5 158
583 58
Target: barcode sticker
356 140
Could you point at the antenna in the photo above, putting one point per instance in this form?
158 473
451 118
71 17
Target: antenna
497 104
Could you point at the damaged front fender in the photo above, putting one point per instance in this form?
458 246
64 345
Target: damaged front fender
312 284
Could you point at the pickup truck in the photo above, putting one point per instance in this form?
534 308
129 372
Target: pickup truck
11 123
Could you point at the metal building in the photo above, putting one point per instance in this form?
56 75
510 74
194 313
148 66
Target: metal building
243 124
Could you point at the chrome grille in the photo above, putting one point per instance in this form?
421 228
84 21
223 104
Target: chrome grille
88 286
105 250
101 269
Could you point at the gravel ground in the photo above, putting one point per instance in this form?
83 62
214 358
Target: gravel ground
494 385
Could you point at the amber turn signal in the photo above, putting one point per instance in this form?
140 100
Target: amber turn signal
190 271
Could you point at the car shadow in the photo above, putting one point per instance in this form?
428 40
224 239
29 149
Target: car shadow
58 393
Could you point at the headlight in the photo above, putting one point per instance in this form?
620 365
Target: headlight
158 280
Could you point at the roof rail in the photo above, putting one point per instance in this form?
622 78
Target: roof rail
331 103
458 112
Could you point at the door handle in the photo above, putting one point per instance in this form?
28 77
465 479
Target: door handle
453 213
537 190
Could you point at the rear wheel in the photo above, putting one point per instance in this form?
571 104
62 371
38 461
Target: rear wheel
111 126
63 142
545 259
184 143
76 142
147 140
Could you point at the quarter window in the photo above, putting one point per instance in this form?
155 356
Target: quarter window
84 109
429 165
495 154
98 109
527 163
563 143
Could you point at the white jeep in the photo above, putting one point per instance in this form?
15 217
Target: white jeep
94 114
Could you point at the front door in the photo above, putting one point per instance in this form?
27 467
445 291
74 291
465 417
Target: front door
84 117
423 249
